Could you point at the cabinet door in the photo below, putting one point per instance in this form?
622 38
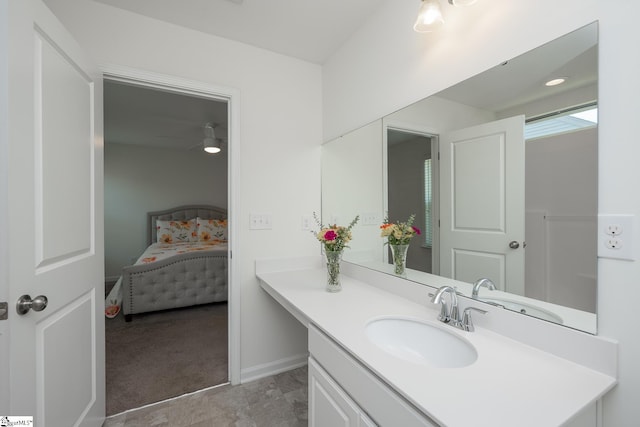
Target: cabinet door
329 405
366 421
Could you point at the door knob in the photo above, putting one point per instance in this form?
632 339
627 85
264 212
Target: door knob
25 303
514 245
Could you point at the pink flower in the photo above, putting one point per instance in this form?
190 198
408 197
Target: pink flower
330 235
416 230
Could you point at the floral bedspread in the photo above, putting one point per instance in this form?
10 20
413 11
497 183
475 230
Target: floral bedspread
160 251
157 252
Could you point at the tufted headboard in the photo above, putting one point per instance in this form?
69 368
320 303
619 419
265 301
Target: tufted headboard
181 213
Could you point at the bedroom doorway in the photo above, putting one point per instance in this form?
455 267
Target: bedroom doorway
154 160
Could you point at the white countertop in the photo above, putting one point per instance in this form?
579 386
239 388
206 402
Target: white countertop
509 384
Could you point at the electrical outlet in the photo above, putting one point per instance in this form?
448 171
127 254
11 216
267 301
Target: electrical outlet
613 229
613 243
615 237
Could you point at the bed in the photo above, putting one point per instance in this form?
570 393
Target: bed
185 263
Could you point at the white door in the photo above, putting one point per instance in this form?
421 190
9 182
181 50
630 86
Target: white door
482 202
55 219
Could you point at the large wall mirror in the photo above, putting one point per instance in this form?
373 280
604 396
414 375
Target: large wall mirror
500 172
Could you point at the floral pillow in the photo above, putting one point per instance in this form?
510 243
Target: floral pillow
173 231
212 230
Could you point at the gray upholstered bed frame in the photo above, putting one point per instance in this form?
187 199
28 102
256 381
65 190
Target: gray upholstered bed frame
181 281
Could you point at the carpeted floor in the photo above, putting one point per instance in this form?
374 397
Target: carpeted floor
164 354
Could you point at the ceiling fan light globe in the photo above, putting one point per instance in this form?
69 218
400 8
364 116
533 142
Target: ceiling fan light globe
211 145
212 150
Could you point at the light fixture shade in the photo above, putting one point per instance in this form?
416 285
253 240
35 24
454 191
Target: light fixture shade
211 145
462 2
429 17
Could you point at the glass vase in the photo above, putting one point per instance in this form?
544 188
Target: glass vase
334 283
399 255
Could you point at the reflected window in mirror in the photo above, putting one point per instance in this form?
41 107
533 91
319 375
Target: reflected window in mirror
568 120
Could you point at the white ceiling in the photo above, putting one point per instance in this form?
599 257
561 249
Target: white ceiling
307 29
312 31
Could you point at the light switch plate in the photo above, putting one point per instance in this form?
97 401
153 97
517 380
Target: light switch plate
260 221
370 218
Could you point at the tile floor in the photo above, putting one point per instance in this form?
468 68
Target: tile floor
275 401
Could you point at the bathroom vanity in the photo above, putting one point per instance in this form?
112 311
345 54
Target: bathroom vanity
513 377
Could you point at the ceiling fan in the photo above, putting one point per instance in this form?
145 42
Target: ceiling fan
211 135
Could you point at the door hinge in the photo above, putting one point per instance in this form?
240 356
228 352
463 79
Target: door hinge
4 310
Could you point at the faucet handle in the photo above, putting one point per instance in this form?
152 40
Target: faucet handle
467 322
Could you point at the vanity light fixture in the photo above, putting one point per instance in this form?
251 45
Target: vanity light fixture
462 2
429 17
430 14
211 143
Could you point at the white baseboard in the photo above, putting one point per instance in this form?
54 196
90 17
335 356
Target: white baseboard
278 366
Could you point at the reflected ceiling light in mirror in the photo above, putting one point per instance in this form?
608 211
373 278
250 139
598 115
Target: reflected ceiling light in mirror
555 82
430 14
211 143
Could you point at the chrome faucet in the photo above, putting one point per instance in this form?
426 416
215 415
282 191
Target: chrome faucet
487 283
447 314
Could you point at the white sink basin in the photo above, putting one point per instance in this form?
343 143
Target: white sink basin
523 308
420 342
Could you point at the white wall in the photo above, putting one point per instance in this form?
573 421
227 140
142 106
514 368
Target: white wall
279 143
140 179
386 66
438 115
352 185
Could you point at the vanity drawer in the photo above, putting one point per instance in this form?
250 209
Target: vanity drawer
382 404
